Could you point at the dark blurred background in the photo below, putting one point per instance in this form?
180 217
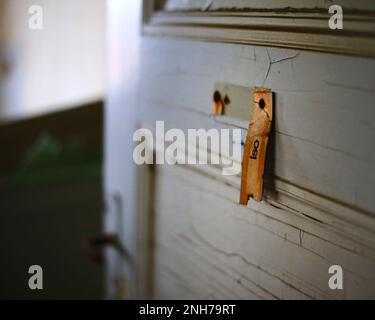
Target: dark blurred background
52 86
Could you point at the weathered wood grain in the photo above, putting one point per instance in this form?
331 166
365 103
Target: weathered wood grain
211 5
207 241
318 153
318 208
286 24
194 240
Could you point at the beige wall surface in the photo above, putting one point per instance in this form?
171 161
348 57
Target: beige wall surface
61 65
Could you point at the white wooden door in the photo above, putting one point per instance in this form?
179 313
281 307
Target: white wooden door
186 233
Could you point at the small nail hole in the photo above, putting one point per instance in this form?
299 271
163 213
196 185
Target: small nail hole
262 103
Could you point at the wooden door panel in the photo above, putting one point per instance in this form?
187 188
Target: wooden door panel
322 126
193 238
208 246
318 207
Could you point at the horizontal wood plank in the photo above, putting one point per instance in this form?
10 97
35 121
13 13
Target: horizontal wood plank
212 5
323 109
206 246
290 28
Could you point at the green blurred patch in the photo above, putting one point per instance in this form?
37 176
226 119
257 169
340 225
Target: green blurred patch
49 161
